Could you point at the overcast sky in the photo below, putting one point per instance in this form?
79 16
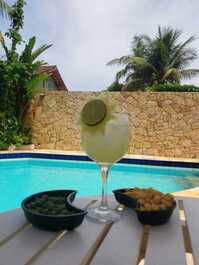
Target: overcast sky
86 34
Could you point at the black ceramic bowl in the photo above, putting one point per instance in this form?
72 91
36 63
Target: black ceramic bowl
53 222
155 217
124 199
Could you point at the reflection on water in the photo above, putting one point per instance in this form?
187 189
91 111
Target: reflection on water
188 182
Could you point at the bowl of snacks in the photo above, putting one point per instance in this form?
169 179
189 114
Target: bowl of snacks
53 210
152 207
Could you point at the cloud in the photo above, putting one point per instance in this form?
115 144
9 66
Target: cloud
87 34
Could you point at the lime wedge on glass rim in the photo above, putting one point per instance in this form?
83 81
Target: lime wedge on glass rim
94 112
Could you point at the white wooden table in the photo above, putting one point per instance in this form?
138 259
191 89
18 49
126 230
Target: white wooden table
120 243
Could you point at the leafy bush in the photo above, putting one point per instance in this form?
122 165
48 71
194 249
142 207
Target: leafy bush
8 130
18 78
172 88
115 86
11 132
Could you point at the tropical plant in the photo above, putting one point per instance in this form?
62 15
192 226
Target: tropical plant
115 86
18 70
172 88
4 8
19 75
159 60
9 130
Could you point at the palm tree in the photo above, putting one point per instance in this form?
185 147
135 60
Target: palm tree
29 56
159 60
4 8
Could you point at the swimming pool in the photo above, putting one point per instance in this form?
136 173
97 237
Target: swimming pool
22 177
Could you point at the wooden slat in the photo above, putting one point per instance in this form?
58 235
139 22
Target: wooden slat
191 208
25 245
87 259
14 234
10 222
166 244
121 246
33 259
72 248
18 250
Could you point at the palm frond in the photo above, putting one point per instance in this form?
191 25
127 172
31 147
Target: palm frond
175 36
189 73
26 56
134 85
172 74
40 50
142 63
118 61
147 40
4 8
130 77
2 42
170 37
159 32
137 60
183 59
122 73
188 41
183 54
37 64
140 44
29 56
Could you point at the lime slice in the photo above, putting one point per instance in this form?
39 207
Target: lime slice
94 112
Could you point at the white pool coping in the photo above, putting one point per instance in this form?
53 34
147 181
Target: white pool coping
130 156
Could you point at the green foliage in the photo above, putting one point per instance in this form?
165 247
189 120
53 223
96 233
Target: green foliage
11 132
18 73
159 60
115 86
32 88
7 129
173 88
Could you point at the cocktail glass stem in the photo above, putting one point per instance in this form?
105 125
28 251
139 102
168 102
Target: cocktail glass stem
103 213
104 175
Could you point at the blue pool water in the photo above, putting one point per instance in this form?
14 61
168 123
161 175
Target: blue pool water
22 177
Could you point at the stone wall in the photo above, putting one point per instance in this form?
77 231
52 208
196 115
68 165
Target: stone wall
163 124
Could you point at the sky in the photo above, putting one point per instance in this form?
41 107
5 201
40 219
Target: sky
86 34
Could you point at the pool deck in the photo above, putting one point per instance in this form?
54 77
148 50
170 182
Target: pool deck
192 193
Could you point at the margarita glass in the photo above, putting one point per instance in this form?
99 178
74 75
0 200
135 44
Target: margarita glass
106 146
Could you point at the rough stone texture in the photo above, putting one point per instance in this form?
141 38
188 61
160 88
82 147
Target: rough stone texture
162 124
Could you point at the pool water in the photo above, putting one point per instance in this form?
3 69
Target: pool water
22 177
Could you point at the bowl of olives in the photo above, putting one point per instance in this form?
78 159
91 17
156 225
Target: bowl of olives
53 210
152 207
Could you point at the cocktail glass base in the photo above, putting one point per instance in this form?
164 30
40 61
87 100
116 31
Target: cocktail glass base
103 214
